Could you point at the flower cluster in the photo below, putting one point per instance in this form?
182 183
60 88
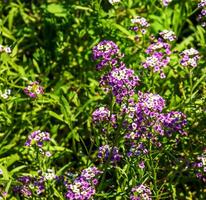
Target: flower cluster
151 102
33 89
5 94
49 174
166 2
107 53
30 186
105 151
100 115
37 138
172 122
168 35
141 192
114 1
121 81
136 149
140 24
83 186
202 15
145 121
200 167
158 52
5 49
190 57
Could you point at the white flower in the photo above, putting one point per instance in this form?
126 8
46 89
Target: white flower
114 1
7 49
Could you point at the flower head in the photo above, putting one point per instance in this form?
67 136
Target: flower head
34 89
141 192
83 187
168 35
105 151
189 57
166 2
121 81
202 15
107 53
114 1
101 114
140 24
37 138
158 58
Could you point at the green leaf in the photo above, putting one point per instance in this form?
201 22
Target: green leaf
6 32
55 115
57 9
5 172
123 30
17 169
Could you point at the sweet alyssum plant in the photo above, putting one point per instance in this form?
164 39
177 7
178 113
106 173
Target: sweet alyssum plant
134 125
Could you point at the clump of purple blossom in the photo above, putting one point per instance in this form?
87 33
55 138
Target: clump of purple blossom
137 149
168 35
145 120
158 56
83 187
33 89
189 57
101 114
107 53
141 192
105 151
121 81
152 102
200 166
30 186
37 138
202 15
140 24
166 2
172 122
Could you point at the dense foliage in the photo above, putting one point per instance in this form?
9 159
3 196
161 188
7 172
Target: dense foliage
102 99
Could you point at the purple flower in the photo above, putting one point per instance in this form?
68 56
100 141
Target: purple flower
107 53
101 114
168 35
189 57
141 165
145 120
83 187
121 81
30 185
37 137
199 166
173 122
202 15
166 2
152 102
141 192
158 58
140 24
105 151
33 89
